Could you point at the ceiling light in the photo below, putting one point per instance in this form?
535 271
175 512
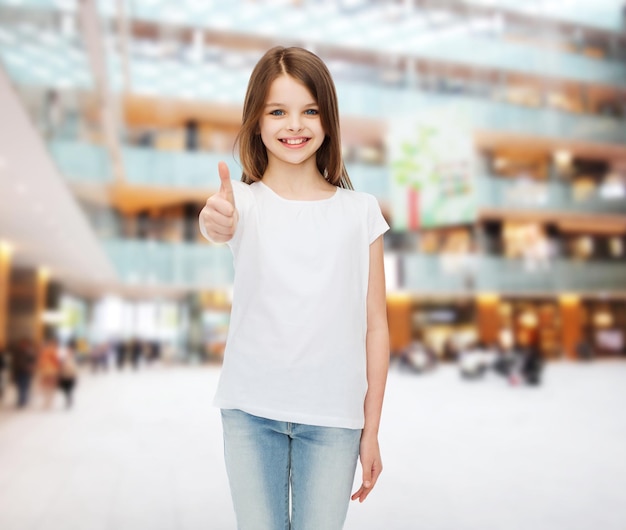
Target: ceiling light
6 248
44 273
66 5
563 157
569 299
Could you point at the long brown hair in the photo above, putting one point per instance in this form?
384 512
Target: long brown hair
310 70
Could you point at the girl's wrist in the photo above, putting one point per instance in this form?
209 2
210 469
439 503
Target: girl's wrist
369 432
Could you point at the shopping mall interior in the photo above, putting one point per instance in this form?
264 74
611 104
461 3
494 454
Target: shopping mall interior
491 132
116 117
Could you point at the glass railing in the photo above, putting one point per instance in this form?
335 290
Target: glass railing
388 103
434 274
547 123
174 168
41 57
499 274
23 56
456 40
83 162
602 14
497 53
183 265
521 194
450 274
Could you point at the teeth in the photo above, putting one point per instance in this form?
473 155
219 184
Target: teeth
294 141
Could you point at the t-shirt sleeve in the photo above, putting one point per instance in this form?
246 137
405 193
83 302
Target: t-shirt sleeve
376 222
243 202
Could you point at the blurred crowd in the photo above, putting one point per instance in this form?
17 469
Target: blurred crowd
31 375
42 371
36 375
518 365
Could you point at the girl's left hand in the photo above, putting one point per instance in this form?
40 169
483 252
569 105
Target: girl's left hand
372 466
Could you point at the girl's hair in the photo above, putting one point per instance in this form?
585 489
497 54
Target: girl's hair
310 70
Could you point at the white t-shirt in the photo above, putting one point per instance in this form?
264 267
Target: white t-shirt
296 343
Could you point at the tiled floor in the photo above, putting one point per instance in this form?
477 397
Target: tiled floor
142 451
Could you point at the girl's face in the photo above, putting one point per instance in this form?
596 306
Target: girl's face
291 128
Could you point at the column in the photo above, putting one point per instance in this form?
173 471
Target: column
41 291
6 251
571 324
399 318
488 318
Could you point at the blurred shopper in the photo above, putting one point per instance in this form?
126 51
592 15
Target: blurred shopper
82 350
100 356
154 351
521 365
532 366
584 350
450 349
476 360
192 135
23 366
54 114
307 353
136 353
48 371
506 360
4 363
419 357
68 373
121 354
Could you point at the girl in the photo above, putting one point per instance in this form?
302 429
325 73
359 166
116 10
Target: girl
307 353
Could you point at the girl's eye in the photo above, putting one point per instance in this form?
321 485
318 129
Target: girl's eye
277 112
311 112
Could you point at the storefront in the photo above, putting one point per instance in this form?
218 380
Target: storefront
533 322
445 325
604 327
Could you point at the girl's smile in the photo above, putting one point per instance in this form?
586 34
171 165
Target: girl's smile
294 142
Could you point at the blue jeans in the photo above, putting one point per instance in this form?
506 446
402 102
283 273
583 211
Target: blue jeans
266 460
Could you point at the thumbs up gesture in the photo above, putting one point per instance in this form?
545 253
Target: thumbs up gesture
219 216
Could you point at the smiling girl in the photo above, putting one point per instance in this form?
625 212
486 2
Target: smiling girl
307 353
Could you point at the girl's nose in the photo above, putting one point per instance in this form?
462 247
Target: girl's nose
295 124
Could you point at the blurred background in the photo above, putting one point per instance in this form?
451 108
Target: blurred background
492 133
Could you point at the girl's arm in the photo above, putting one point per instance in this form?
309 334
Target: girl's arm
377 345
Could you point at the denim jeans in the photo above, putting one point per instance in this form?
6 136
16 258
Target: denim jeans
267 460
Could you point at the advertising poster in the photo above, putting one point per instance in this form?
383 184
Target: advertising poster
432 160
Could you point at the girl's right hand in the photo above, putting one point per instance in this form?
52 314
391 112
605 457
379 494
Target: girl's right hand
219 216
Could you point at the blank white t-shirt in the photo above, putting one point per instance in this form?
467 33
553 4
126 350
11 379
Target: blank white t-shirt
295 350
